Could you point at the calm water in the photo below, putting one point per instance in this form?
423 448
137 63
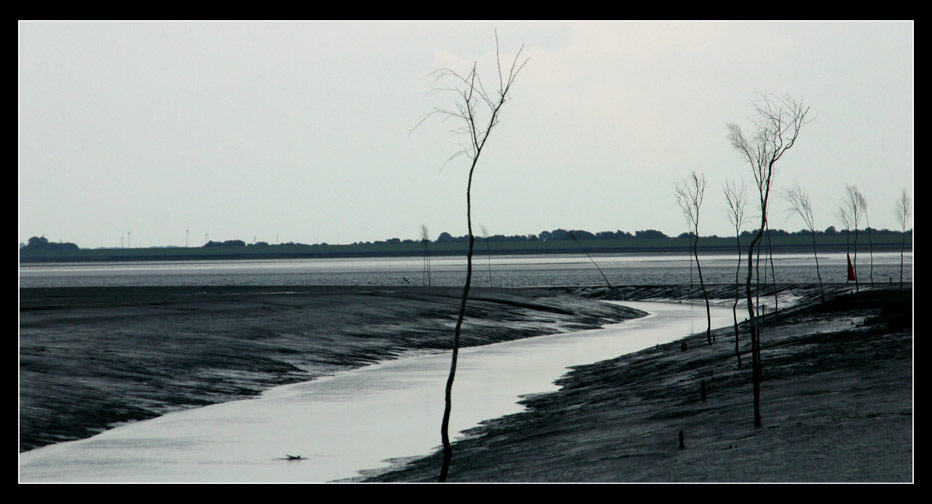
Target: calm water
354 420
506 271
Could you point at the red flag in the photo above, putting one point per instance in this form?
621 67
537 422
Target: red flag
850 270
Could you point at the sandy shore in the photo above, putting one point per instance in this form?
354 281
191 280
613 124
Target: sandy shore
836 406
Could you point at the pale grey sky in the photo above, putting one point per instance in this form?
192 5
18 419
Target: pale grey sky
302 130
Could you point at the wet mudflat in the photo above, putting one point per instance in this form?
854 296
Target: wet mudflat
836 405
837 395
353 420
91 358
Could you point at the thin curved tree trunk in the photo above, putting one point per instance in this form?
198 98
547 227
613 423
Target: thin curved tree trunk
870 241
734 308
773 274
756 373
426 273
857 284
708 311
902 250
757 280
445 424
818 274
488 251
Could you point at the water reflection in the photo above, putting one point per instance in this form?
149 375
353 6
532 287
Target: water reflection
354 420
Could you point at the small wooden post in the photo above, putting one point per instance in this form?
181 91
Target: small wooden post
682 443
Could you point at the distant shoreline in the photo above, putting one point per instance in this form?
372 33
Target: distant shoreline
783 244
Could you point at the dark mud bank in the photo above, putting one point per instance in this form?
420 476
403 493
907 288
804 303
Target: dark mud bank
91 358
836 400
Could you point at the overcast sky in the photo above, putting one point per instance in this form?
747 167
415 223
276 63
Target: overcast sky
303 131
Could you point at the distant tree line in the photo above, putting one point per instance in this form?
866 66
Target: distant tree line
41 243
241 243
563 234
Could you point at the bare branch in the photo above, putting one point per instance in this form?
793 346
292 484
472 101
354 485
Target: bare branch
842 214
852 203
736 198
903 210
800 204
689 197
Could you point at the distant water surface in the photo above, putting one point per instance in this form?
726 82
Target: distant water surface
544 270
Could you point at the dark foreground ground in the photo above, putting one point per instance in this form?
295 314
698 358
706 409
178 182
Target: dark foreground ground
836 399
837 406
91 358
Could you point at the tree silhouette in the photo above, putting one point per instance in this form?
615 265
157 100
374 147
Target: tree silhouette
736 198
689 196
842 215
777 125
425 239
488 251
903 212
473 107
800 205
870 238
852 210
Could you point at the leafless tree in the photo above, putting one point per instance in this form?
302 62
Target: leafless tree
870 238
689 225
903 212
425 239
773 274
488 251
477 112
800 205
736 197
853 211
776 128
689 195
842 215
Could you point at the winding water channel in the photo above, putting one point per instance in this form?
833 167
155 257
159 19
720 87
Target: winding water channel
354 420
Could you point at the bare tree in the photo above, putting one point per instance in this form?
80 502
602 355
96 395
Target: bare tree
870 238
851 207
800 205
473 107
842 215
903 212
689 196
777 125
425 239
736 197
689 225
488 251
